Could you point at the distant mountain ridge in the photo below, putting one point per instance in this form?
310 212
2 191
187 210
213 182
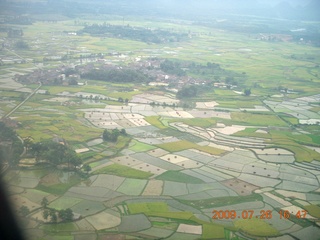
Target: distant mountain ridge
310 11
291 9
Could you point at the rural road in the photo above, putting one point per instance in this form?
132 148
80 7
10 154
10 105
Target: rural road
20 104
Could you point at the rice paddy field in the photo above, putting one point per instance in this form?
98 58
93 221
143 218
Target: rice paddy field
177 165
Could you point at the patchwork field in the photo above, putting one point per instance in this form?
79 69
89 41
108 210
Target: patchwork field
184 157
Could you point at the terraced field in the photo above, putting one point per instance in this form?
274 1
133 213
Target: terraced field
182 159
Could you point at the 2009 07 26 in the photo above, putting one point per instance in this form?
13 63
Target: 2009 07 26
248 214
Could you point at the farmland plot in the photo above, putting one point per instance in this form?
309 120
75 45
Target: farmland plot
132 186
174 189
103 220
134 223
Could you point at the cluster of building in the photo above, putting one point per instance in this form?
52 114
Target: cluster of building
151 67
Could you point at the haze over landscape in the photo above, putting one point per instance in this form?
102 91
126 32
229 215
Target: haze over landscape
166 119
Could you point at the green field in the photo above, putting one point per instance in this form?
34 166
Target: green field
141 147
256 227
178 177
257 119
135 208
123 171
184 145
278 69
155 121
313 210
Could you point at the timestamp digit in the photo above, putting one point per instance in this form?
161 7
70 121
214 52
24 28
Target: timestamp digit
233 214
226 214
284 214
244 214
215 214
251 213
301 214
222 214
265 214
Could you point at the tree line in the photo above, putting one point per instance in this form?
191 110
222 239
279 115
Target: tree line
116 75
54 153
208 71
51 214
134 33
112 135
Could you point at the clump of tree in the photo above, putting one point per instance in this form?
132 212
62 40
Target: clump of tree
24 211
187 92
134 33
87 168
207 71
117 75
73 82
112 135
44 202
230 80
172 67
247 92
11 146
19 19
55 153
65 215
21 45
70 71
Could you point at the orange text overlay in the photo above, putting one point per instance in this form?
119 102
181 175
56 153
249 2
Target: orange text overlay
262 214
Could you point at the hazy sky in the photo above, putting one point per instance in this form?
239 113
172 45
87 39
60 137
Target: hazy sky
292 2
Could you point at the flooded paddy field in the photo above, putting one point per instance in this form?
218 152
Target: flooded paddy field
183 158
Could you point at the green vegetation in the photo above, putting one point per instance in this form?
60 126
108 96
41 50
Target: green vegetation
59 228
247 92
43 125
184 145
59 188
112 135
10 145
257 119
231 67
208 71
172 67
123 171
155 121
197 122
140 147
211 231
24 211
55 153
256 227
146 207
66 215
21 45
160 209
121 143
134 33
313 210
302 154
178 177
117 76
222 201
187 92
287 140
